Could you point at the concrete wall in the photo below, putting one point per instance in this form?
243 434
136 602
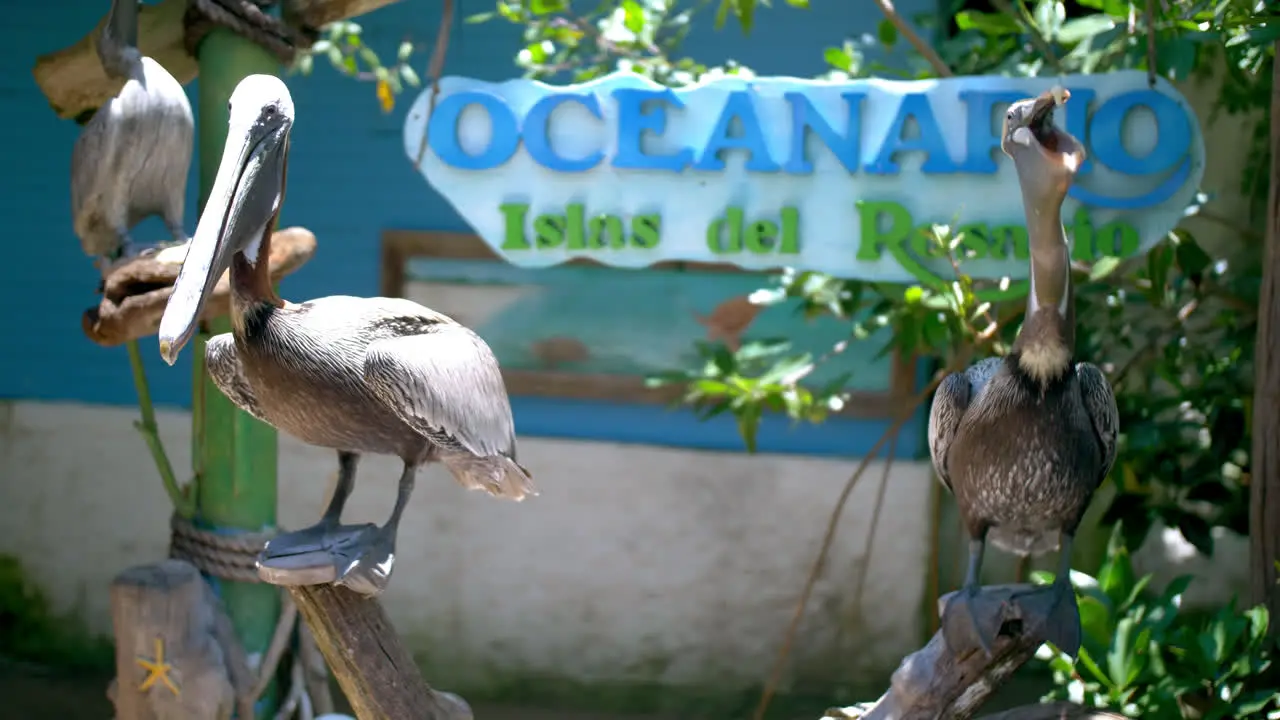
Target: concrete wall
635 565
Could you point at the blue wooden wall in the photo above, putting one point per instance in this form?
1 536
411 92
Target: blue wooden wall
349 180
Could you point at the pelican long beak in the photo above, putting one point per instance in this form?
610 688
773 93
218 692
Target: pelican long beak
240 210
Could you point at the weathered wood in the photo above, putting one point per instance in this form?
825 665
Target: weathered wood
73 80
135 294
1264 480
1042 711
936 682
1054 711
375 671
176 657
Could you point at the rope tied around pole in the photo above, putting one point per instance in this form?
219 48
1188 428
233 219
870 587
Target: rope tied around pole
234 556
249 19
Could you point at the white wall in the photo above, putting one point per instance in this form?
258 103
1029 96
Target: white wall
635 563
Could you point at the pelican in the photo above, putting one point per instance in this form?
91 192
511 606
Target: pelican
1023 441
132 157
358 375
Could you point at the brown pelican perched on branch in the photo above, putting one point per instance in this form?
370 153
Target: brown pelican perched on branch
359 375
132 157
1023 441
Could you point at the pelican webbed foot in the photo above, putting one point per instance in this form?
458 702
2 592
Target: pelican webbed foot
1056 604
972 619
318 555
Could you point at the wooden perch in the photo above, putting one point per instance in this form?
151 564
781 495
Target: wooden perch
935 682
135 294
73 80
375 671
176 653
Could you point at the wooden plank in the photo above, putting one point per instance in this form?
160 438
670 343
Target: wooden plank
399 247
374 669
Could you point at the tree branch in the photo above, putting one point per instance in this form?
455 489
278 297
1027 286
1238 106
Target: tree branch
925 49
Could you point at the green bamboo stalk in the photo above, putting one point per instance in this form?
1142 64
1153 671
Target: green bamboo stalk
183 498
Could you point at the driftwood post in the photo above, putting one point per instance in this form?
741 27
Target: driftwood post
376 672
177 657
938 682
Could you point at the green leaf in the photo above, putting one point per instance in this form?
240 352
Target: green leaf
1192 259
632 16
987 23
405 51
305 62
542 7
370 58
335 57
1073 31
480 17
837 58
887 32
409 76
801 4
1103 267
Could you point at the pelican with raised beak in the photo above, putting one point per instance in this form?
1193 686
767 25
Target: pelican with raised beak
1023 441
132 157
359 375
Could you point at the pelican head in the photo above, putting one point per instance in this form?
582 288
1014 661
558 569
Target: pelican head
1046 157
242 208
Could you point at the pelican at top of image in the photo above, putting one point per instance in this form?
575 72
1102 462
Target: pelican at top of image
132 157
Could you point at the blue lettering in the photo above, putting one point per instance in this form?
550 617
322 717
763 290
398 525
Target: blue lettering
442 131
738 105
1173 133
633 122
982 134
930 141
805 118
539 145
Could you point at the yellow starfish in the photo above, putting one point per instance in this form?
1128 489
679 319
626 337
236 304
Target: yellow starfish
157 670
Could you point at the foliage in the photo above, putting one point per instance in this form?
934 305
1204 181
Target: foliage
1143 657
1174 330
31 632
343 44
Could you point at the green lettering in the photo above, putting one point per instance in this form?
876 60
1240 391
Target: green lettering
975 243
790 231
1083 245
575 227
513 221
548 231
1123 240
760 236
1010 240
606 231
895 239
716 241
873 242
646 231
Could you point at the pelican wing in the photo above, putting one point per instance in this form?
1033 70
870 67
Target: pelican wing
1100 404
444 382
223 363
949 405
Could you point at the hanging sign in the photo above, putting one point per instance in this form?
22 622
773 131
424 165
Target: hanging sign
840 177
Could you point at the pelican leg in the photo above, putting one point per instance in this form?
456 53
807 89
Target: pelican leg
370 568
970 619
1056 604
317 554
